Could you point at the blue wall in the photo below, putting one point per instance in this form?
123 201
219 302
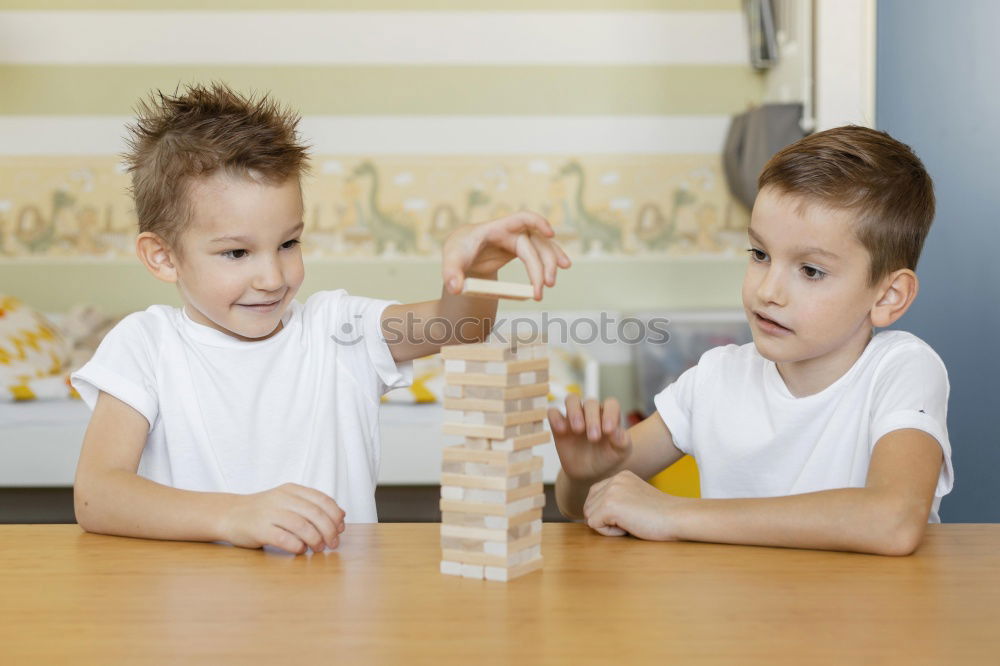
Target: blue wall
938 91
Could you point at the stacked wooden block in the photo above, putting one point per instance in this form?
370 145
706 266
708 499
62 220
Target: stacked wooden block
491 484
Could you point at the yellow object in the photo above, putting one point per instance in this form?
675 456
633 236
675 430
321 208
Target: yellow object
32 353
419 388
681 479
22 392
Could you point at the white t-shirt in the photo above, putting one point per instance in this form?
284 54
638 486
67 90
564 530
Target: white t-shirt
227 415
751 438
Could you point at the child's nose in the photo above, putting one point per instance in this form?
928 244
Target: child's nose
268 276
770 289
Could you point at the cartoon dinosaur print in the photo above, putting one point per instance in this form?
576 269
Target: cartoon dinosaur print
592 229
383 227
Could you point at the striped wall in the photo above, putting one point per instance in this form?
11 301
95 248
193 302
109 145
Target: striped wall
606 116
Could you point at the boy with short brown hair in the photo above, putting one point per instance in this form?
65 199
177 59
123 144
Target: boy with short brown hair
818 434
246 416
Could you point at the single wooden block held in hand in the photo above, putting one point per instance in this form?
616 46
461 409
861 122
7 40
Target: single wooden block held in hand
495 289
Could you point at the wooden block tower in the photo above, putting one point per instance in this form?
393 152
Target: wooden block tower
491 484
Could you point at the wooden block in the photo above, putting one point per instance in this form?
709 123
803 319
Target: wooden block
505 483
490 522
530 428
465 404
512 559
498 392
476 443
476 550
496 522
486 431
482 351
493 470
521 441
527 348
460 366
463 453
513 508
512 367
479 482
505 574
452 493
497 289
497 380
524 347
498 406
472 571
497 496
451 568
476 417
509 547
481 379
509 537
527 416
477 533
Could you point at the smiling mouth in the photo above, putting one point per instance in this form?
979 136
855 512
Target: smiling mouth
261 306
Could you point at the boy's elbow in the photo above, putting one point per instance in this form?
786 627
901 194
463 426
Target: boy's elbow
902 531
901 543
83 508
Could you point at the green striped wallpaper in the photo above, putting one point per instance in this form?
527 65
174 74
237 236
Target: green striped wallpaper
376 5
647 218
396 90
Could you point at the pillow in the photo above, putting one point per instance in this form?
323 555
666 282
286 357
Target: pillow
83 328
427 386
34 356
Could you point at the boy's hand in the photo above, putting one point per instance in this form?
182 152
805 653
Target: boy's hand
590 439
627 504
480 250
291 517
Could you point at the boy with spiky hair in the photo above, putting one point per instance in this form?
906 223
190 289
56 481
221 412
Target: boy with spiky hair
246 416
818 434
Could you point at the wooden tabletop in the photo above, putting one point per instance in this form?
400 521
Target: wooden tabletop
71 597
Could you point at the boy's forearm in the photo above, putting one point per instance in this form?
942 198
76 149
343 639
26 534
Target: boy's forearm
122 503
421 329
471 318
852 519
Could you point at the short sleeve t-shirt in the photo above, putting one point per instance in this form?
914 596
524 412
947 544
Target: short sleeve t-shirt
751 438
227 415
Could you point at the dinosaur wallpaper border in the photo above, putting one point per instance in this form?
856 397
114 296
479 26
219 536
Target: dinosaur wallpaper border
403 206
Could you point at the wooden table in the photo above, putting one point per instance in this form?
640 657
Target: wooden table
71 597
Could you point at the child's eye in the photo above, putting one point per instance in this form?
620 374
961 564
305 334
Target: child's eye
288 245
757 255
234 254
813 273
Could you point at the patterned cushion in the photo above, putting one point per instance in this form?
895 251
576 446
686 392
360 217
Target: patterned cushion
34 357
428 383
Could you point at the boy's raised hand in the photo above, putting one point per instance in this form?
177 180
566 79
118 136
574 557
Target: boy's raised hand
480 250
590 439
291 517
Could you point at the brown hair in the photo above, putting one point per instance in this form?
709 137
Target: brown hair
867 171
179 138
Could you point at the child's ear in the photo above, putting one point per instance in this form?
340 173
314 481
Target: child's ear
896 293
157 256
